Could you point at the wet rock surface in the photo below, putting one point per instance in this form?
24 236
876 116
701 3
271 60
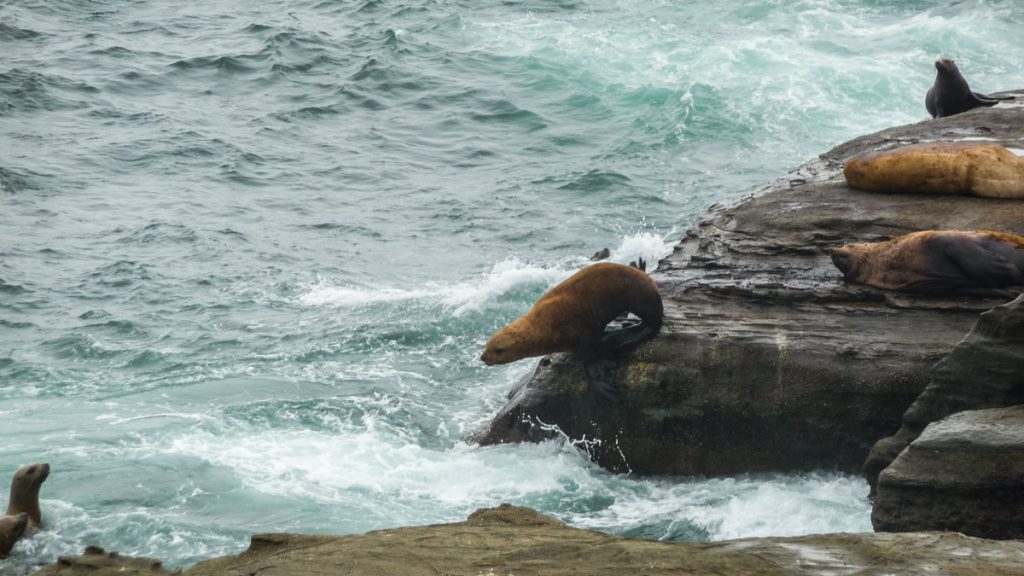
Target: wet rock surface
963 473
768 360
513 540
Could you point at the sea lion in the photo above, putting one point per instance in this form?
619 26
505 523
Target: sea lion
950 94
981 169
940 262
572 317
25 492
12 528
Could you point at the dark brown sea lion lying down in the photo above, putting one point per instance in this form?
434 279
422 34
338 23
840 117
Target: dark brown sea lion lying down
572 317
981 169
939 262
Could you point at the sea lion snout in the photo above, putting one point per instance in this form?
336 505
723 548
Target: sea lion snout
843 259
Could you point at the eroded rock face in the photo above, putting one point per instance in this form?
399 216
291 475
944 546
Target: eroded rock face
964 473
985 370
514 540
768 360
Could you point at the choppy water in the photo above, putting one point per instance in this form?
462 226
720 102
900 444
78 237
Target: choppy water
250 251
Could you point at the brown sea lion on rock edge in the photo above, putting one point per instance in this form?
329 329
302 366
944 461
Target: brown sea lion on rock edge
939 262
12 528
988 170
950 93
25 492
572 317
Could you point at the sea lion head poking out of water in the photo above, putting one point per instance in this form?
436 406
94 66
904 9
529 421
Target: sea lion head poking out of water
572 316
25 492
12 528
938 262
950 93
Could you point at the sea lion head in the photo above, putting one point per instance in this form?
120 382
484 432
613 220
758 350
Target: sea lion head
31 475
946 66
509 344
852 259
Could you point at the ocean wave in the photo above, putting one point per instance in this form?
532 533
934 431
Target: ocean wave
24 90
9 32
510 276
736 507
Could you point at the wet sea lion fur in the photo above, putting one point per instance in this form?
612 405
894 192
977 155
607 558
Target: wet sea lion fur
12 529
980 169
572 317
950 94
25 492
938 262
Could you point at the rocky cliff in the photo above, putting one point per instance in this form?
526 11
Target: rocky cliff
768 360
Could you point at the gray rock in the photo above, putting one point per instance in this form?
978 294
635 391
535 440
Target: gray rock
768 360
985 370
514 540
963 473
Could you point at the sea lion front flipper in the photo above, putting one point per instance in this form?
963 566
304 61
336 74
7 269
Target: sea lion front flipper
599 368
984 267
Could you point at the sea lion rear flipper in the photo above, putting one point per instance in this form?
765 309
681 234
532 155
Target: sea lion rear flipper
628 335
982 266
989 100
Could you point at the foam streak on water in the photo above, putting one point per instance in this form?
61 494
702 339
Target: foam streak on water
250 251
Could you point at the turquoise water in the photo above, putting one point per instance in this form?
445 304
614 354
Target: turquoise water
251 251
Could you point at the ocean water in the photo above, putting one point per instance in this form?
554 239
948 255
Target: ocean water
250 251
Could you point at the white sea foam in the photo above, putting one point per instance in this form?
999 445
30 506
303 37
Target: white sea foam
340 469
504 276
728 508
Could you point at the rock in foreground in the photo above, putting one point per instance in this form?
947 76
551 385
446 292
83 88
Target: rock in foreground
963 473
513 540
767 359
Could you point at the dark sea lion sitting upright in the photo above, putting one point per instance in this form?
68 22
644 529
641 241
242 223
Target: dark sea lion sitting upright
12 528
25 492
572 317
938 262
950 93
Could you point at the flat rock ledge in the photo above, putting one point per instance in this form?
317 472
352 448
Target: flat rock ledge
964 473
520 541
767 359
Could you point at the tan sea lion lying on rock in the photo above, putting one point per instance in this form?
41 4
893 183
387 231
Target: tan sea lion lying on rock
980 169
572 317
939 262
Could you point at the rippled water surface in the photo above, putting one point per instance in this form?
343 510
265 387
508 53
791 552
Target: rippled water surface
251 251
